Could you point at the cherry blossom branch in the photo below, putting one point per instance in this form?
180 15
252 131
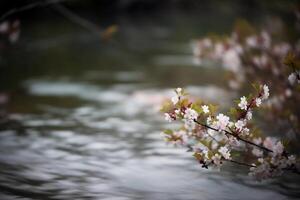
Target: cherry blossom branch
234 135
239 163
214 152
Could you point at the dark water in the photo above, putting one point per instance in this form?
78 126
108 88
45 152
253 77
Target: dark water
84 122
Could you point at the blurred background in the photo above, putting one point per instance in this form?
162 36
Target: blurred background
81 84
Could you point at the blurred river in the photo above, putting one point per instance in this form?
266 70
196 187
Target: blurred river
82 118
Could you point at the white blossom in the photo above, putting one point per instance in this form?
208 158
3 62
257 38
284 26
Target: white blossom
217 159
209 120
214 144
219 50
4 27
278 148
231 60
189 117
257 152
268 142
257 141
222 122
245 131
179 91
189 124
177 111
261 171
205 109
201 148
281 49
168 117
265 92
288 92
258 102
243 103
190 114
240 124
291 160
266 39
252 41
175 99
207 42
271 144
249 115
292 78
224 151
260 61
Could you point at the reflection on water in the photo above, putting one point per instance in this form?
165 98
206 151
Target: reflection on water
94 132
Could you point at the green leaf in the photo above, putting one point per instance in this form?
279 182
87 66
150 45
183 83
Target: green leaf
233 112
197 108
168 132
256 86
166 107
213 108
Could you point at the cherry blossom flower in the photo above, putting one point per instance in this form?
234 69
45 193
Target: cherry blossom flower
260 61
222 122
245 131
179 91
217 159
209 120
219 50
291 160
175 99
257 152
266 39
252 41
278 148
231 60
269 142
249 115
265 92
224 151
4 26
240 124
257 141
205 109
292 78
190 114
243 103
168 117
189 124
258 102
189 117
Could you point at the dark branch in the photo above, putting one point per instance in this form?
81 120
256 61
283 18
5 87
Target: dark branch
28 7
240 163
234 135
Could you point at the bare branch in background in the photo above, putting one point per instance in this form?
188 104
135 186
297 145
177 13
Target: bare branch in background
29 7
73 17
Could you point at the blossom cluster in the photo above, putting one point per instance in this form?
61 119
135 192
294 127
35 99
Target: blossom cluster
217 137
254 55
10 29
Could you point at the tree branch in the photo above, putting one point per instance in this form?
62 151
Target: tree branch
234 135
29 7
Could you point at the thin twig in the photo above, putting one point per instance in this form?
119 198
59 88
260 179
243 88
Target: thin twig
73 17
29 7
234 135
240 163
